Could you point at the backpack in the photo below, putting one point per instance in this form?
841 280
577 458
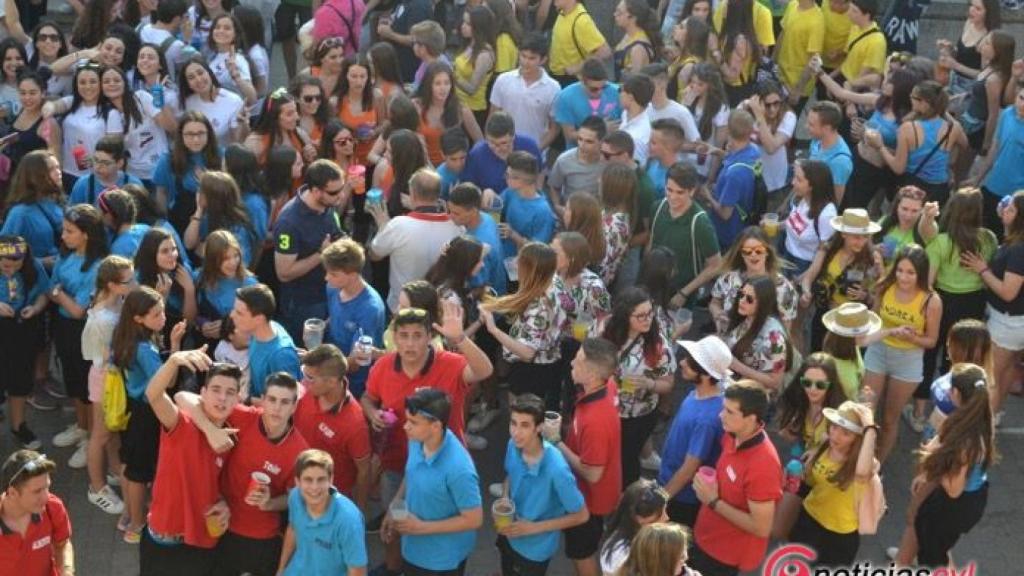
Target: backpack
115 400
759 201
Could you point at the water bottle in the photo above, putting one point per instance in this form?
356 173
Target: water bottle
158 95
794 475
375 196
365 348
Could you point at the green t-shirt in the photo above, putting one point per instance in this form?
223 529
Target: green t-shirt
944 257
644 195
676 233
893 240
850 374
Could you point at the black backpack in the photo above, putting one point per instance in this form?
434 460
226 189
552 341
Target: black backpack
759 204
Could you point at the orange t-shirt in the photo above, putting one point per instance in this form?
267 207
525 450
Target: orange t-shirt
364 124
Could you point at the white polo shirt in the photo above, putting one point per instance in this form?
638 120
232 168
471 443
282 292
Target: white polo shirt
639 127
530 104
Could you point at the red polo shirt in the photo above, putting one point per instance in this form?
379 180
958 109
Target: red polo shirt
389 386
595 437
254 452
340 430
748 472
32 554
187 484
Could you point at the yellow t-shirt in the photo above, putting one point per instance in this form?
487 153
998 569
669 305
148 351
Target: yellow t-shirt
895 314
763 30
831 506
573 37
837 34
507 57
464 73
814 433
804 36
867 53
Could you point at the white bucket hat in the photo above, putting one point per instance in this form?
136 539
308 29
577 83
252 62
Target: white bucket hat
855 221
851 319
711 353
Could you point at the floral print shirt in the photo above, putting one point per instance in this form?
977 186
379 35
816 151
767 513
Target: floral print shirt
589 295
636 402
616 243
767 352
540 328
728 286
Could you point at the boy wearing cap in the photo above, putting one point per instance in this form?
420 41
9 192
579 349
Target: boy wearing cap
735 520
694 440
35 531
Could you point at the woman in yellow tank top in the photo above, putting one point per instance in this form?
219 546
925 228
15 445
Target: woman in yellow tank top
910 314
509 32
474 66
690 38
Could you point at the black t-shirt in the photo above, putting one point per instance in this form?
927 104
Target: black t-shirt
300 231
1008 258
402 18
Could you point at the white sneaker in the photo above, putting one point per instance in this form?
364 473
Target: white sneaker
652 462
497 489
69 437
106 500
77 459
482 420
474 442
891 552
113 479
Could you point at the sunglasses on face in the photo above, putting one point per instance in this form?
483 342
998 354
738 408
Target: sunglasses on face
310 98
819 384
748 298
48 37
754 251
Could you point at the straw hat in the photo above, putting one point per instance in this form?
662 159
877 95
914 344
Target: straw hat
851 319
711 353
847 417
855 221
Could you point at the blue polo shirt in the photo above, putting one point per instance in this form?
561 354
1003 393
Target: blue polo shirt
275 355
127 243
216 302
137 376
493 273
167 227
347 321
39 223
838 158
486 170
1005 177
658 173
330 544
13 291
300 231
246 238
735 187
164 176
259 213
543 491
77 283
532 218
449 178
696 431
438 488
87 189
573 105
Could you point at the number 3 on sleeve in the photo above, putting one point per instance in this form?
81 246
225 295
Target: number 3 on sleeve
284 242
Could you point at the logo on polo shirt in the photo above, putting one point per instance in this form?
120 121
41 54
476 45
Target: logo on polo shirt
325 544
41 543
271 467
325 430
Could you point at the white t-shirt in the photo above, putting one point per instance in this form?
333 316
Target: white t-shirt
613 560
676 111
776 164
225 352
414 242
145 142
720 120
177 52
218 63
222 112
260 69
85 126
640 129
802 238
531 105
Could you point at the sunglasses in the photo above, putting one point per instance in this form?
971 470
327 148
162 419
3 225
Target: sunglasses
48 37
29 467
343 141
310 98
748 298
754 251
414 312
819 384
775 104
332 42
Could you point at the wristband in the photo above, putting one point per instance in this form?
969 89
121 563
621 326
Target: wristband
986 269
713 503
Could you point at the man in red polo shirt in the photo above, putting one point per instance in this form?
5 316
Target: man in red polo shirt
330 419
592 449
416 364
267 449
735 519
187 515
35 531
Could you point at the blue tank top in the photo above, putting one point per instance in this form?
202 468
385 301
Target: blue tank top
935 171
886 127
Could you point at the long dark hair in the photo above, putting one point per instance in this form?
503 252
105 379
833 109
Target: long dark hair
302 80
89 220
184 90
180 154
91 25
961 220
76 96
823 190
342 88
12 44
407 156
454 267
224 207
616 330
145 258
31 182
739 20
481 21
138 82
793 403
267 125
918 259
646 20
641 499
384 59
130 107
767 305
33 61
450 116
656 272
712 100
967 436
331 130
129 333
902 81
277 175
250 23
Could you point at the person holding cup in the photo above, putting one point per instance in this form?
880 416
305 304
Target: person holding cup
271 349
541 489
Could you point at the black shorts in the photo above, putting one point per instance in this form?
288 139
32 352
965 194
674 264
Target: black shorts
140 443
288 18
19 340
833 548
160 560
582 541
515 564
67 335
703 563
241 555
941 520
409 569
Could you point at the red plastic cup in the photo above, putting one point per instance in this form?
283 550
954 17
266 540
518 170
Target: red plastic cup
79 152
257 481
357 172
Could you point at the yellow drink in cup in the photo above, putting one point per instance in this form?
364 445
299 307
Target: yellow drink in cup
770 223
504 512
214 527
627 385
580 330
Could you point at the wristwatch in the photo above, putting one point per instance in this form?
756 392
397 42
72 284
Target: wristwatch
713 502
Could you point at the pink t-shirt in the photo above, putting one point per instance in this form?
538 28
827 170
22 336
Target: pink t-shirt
341 18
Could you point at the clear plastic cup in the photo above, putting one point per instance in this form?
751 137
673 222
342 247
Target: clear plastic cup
504 512
770 223
313 333
214 527
398 510
552 423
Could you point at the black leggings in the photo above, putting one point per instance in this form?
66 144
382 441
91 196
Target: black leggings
955 307
833 549
941 521
635 432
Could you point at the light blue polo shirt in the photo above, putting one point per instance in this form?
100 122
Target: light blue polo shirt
366 315
531 218
275 355
219 298
838 158
438 488
541 492
77 283
127 243
493 273
330 544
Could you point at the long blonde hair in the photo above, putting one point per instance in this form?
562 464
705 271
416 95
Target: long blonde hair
216 250
537 264
656 550
587 219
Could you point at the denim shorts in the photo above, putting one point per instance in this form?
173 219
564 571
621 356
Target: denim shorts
1007 331
905 365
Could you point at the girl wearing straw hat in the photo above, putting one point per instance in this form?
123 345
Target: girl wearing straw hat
850 326
910 314
843 270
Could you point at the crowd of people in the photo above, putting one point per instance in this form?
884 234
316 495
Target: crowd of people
285 316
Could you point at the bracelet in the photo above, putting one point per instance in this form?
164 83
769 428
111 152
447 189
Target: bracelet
714 502
986 269
872 427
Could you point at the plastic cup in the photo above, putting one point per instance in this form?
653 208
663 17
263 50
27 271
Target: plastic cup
553 422
79 153
313 333
357 172
770 222
627 385
580 330
681 316
257 481
495 209
708 474
398 510
504 512
214 527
